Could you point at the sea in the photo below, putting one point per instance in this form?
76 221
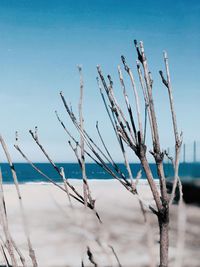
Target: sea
26 173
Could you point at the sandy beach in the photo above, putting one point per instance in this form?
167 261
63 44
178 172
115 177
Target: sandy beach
60 234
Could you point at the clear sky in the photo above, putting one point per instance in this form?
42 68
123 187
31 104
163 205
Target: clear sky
41 43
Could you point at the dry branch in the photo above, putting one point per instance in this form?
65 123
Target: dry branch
91 257
86 189
5 226
62 172
5 258
76 196
25 224
128 134
178 138
137 102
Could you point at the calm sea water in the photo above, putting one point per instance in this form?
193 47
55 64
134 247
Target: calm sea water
27 174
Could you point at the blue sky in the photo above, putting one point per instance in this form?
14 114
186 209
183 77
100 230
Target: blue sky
41 43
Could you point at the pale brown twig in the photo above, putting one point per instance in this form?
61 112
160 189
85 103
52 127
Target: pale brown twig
4 256
178 138
53 164
181 229
91 257
76 196
115 110
145 95
137 102
128 106
25 224
62 172
4 222
43 174
140 149
86 189
158 155
115 254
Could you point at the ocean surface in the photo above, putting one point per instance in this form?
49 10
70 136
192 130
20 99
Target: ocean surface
26 174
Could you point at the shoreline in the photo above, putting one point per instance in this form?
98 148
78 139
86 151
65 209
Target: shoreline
75 180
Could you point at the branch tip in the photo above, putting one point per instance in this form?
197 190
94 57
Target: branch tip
165 54
123 59
124 63
135 43
98 67
79 67
16 136
110 80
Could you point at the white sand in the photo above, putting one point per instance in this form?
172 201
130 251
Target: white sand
60 234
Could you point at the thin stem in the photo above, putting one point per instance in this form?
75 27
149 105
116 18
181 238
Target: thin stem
60 187
156 144
137 102
62 172
86 189
53 164
5 226
128 106
178 138
24 219
145 95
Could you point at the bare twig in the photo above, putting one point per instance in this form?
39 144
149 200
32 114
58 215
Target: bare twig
5 226
93 146
86 189
21 256
146 100
127 105
54 165
62 172
140 149
4 256
44 175
91 257
181 228
25 224
115 254
128 70
76 196
178 138
158 155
